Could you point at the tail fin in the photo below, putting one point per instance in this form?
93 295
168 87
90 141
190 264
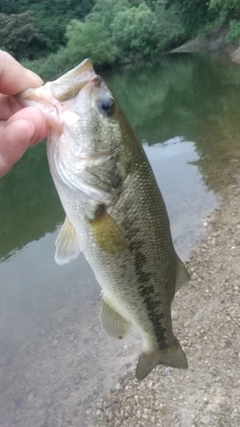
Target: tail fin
174 357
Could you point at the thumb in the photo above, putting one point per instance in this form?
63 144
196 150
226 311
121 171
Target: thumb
12 148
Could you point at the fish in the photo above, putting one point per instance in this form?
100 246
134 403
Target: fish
115 212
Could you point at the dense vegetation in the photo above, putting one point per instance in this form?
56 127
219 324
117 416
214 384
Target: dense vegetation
53 36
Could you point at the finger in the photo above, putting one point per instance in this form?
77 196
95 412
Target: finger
37 119
14 78
8 106
12 148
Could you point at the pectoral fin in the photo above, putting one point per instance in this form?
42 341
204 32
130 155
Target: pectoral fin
67 244
183 276
107 233
113 323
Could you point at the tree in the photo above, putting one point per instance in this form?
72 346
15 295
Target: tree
105 11
170 31
194 13
90 39
19 35
229 9
50 19
134 30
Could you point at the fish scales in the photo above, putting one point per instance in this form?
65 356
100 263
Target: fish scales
115 213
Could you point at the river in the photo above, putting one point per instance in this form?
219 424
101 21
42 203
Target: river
54 357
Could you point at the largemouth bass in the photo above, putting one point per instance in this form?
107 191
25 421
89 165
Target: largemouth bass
115 213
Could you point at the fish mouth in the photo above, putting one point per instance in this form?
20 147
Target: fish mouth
51 95
67 86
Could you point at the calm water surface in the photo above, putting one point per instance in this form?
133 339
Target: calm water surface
54 357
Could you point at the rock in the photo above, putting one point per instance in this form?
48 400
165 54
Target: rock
110 416
138 414
99 404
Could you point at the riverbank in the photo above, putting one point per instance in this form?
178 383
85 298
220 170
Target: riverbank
206 320
216 43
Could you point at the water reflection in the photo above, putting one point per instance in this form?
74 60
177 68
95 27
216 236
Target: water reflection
54 357
29 203
194 96
174 165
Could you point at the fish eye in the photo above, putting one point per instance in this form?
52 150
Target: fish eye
106 106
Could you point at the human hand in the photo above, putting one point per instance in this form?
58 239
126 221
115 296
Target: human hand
20 127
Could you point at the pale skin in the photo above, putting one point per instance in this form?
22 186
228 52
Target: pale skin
20 127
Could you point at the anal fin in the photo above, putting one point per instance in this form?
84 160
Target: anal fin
113 323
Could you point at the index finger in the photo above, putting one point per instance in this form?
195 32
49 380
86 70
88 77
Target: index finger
14 78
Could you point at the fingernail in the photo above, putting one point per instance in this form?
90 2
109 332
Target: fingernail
35 79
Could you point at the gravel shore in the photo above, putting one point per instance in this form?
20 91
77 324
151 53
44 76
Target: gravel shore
206 320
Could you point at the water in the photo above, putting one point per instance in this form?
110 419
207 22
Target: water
54 357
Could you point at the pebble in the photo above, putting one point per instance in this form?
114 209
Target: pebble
30 395
99 404
138 414
110 416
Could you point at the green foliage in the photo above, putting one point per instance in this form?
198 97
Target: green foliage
134 31
105 11
234 32
170 31
194 13
19 34
51 19
63 32
228 8
53 66
90 39
205 16
221 13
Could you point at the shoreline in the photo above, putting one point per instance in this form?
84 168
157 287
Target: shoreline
212 44
206 320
